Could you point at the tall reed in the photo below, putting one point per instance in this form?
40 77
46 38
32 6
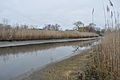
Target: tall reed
35 34
105 60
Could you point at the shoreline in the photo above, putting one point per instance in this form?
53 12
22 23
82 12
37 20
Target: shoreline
38 57
66 69
35 42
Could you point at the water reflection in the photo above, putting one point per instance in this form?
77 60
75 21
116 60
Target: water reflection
17 60
33 48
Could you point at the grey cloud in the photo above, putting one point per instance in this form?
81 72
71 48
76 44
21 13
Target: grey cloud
40 12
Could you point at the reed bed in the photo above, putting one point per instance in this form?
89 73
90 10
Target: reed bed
105 60
11 34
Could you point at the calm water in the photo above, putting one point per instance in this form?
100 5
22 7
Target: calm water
15 61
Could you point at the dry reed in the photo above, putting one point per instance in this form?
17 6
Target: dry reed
35 34
105 60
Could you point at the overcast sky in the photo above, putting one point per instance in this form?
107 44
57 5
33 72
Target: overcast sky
63 12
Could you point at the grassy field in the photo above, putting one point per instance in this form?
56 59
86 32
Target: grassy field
11 34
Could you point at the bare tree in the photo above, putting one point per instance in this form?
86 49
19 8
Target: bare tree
55 27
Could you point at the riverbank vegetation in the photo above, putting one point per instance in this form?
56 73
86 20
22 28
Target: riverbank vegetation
8 33
104 63
105 59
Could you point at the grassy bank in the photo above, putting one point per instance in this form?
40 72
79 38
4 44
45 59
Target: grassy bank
11 34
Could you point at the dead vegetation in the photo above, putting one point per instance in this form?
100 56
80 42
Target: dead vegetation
105 64
11 34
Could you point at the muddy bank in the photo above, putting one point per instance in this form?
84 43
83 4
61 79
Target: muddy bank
68 69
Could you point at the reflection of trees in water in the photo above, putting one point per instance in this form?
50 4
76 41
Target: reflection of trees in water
34 48
4 58
14 52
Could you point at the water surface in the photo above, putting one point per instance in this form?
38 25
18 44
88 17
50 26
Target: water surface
15 61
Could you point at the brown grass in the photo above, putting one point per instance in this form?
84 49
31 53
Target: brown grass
106 60
34 34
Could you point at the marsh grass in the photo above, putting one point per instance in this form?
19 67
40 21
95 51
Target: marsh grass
105 61
105 64
12 34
